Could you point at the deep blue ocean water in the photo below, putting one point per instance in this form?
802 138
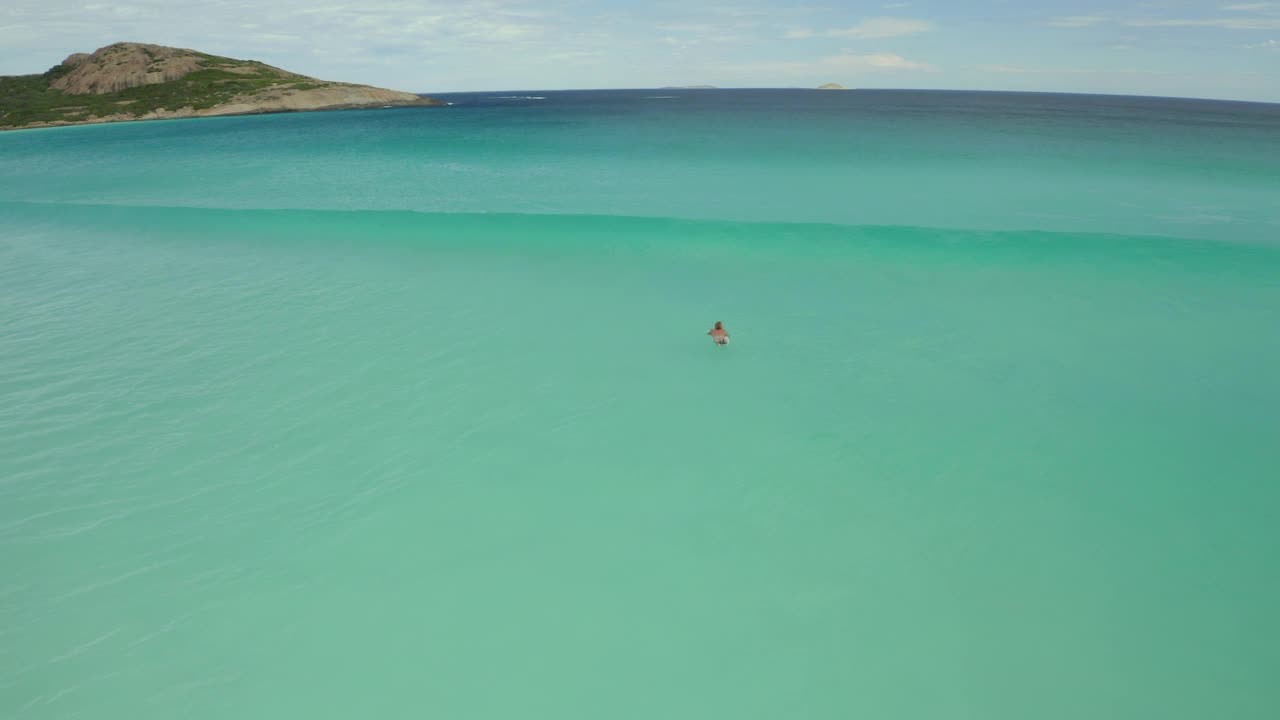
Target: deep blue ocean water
412 412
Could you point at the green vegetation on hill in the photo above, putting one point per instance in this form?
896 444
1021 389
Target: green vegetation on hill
28 99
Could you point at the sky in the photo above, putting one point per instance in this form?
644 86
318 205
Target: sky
1188 48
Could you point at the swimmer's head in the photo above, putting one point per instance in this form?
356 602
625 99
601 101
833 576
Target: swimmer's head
719 325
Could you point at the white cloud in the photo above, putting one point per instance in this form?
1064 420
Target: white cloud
1038 70
1223 23
692 34
1076 21
1024 70
869 29
832 65
687 27
276 37
884 27
1251 7
879 61
576 56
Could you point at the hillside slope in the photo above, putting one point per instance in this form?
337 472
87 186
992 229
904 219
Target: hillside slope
135 81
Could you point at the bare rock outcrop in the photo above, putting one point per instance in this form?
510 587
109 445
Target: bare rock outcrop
125 65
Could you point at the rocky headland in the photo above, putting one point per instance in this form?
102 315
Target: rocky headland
135 81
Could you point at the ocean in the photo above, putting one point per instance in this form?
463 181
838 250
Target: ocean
412 412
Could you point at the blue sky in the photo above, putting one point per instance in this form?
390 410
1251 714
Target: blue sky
1192 48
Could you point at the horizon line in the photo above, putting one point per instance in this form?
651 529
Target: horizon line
807 88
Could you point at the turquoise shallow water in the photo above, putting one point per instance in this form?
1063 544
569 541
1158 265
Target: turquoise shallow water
412 413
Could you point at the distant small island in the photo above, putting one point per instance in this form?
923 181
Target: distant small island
688 87
136 81
832 86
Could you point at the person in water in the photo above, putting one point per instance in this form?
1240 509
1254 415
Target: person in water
719 335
